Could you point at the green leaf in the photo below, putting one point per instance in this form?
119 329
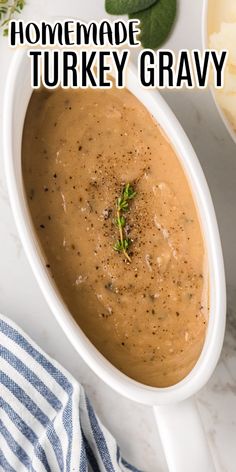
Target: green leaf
124 205
118 246
131 194
126 243
156 23
8 11
123 7
128 192
120 221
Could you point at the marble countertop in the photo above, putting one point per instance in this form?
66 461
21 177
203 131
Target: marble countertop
20 297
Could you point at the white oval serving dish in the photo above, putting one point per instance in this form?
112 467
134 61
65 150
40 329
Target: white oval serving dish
181 449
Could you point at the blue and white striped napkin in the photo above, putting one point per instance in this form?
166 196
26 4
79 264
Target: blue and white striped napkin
46 421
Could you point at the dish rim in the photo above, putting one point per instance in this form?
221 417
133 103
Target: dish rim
206 363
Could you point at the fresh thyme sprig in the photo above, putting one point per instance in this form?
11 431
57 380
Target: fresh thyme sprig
7 11
122 205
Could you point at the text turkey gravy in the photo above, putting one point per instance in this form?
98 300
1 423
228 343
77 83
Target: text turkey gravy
80 148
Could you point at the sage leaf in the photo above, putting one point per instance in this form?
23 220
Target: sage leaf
123 7
156 23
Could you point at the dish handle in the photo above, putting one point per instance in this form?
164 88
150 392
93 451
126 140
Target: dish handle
183 438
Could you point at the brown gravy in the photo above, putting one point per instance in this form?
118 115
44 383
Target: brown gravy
148 317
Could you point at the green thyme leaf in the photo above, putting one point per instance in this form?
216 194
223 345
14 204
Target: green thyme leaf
118 246
120 221
129 192
124 205
122 245
126 243
123 7
156 23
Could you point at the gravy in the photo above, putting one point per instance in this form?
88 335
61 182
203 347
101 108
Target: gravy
80 147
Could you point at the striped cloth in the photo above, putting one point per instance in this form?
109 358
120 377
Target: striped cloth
46 421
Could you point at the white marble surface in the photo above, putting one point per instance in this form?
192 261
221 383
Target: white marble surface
20 298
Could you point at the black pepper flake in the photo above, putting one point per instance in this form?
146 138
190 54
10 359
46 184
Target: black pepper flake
107 213
32 192
42 226
109 286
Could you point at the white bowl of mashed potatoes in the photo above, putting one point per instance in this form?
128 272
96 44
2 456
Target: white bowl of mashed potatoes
219 32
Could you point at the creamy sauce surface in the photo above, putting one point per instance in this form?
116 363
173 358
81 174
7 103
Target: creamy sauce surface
80 148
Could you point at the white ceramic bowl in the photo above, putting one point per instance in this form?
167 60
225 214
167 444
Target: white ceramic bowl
181 419
205 40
